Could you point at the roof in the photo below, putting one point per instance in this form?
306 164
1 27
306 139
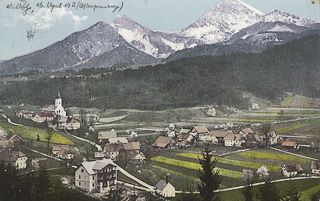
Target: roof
220 134
10 155
6 144
132 146
315 164
162 141
182 143
257 138
238 137
64 151
294 168
230 136
113 147
247 130
59 147
106 135
45 114
184 135
161 185
49 107
118 140
90 165
16 136
289 143
201 129
184 131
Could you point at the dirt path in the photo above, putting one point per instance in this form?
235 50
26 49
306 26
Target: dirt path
10 122
306 157
85 140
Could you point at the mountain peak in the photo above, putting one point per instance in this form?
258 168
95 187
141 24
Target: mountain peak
233 3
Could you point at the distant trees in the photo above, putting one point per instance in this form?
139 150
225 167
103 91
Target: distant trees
208 175
266 132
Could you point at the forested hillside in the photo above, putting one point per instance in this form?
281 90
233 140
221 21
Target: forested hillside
192 81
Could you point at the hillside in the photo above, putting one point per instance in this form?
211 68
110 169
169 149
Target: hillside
185 82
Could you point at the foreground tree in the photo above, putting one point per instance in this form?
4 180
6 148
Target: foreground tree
208 175
248 179
292 195
268 192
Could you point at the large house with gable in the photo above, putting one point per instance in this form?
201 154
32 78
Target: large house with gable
96 176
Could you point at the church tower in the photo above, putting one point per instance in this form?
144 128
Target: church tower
59 110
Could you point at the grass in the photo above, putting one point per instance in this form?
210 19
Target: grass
306 195
196 166
111 119
32 133
234 162
290 128
273 156
175 172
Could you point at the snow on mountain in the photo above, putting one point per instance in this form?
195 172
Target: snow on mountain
155 43
222 21
280 16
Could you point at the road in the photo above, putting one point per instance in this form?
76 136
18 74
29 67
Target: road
85 140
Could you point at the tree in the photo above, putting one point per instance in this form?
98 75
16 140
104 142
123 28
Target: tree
268 192
42 185
49 136
208 175
262 172
265 130
293 195
248 179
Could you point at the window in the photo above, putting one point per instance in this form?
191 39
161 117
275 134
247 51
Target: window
79 176
82 170
92 177
92 184
79 183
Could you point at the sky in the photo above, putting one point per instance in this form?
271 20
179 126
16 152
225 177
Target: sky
24 30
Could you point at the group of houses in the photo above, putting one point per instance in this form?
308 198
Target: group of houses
52 114
200 134
9 156
63 151
113 145
296 169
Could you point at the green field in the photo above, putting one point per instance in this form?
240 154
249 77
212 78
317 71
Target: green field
32 133
274 168
272 156
290 128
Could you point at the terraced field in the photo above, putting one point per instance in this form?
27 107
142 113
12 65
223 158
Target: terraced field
272 156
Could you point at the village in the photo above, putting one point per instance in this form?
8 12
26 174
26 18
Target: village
105 158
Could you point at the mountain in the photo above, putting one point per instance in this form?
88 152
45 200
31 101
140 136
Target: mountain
222 21
79 49
155 43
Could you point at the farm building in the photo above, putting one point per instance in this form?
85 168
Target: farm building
57 148
290 145
229 140
96 176
43 116
239 140
199 131
6 144
253 141
291 170
315 167
112 150
165 188
16 139
65 153
245 131
164 143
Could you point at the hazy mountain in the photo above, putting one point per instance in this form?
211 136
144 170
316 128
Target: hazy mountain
79 49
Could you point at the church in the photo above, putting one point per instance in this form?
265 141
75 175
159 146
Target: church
56 108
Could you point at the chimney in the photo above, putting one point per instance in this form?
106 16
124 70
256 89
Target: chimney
168 178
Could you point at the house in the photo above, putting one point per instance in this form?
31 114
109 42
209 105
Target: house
315 167
199 131
100 154
184 131
208 138
139 158
182 143
15 158
164 188
6 144
16 139
65 153
220 135
253 141
48 108
164 143
41 117
118 140
112 150
239 140
72 124
132 148
57 148
229 140
104 136
290 145
185 137
291 170
96 176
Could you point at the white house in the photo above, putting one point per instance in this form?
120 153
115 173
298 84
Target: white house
16 158
96 176
291 170
229 140
65 153
165 188
239 140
